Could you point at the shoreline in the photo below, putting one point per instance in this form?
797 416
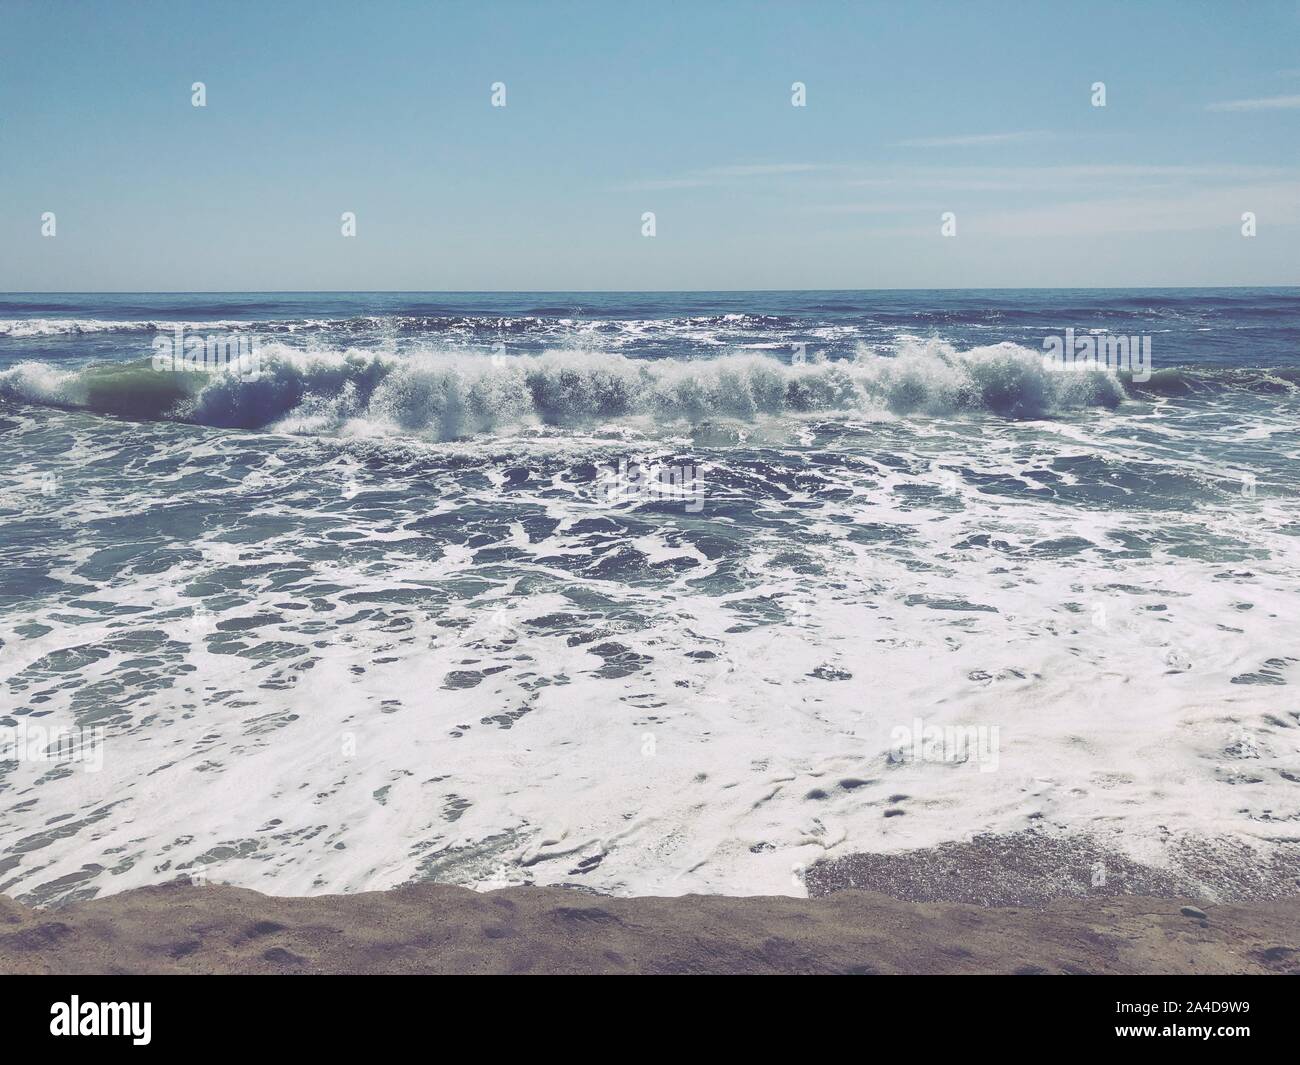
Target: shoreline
180 928
1020 903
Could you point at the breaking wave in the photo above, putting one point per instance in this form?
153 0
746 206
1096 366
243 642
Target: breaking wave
452 395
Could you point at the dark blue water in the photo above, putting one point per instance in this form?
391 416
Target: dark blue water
1237 327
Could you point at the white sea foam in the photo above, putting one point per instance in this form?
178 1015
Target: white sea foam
446 662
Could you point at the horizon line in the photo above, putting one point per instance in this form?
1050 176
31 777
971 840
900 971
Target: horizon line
612 291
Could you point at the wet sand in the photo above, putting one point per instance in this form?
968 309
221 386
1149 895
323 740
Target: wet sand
431 928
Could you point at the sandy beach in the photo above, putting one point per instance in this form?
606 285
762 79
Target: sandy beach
432 928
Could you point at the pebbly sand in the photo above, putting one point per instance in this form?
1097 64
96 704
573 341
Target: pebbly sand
1034 867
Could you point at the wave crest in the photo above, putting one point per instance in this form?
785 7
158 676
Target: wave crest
450 395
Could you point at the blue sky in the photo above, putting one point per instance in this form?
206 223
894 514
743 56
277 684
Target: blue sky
612 110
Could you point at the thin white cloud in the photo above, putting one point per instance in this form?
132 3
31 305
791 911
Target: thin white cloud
1072 200
896 187
1200 210
764 169
971 140
724 175
1100 176
660 184
869 208
1264 103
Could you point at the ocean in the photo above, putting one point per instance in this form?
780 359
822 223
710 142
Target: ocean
652 593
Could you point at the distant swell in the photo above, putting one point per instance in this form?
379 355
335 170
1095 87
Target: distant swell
1184 381
446 396
25 328
541 320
